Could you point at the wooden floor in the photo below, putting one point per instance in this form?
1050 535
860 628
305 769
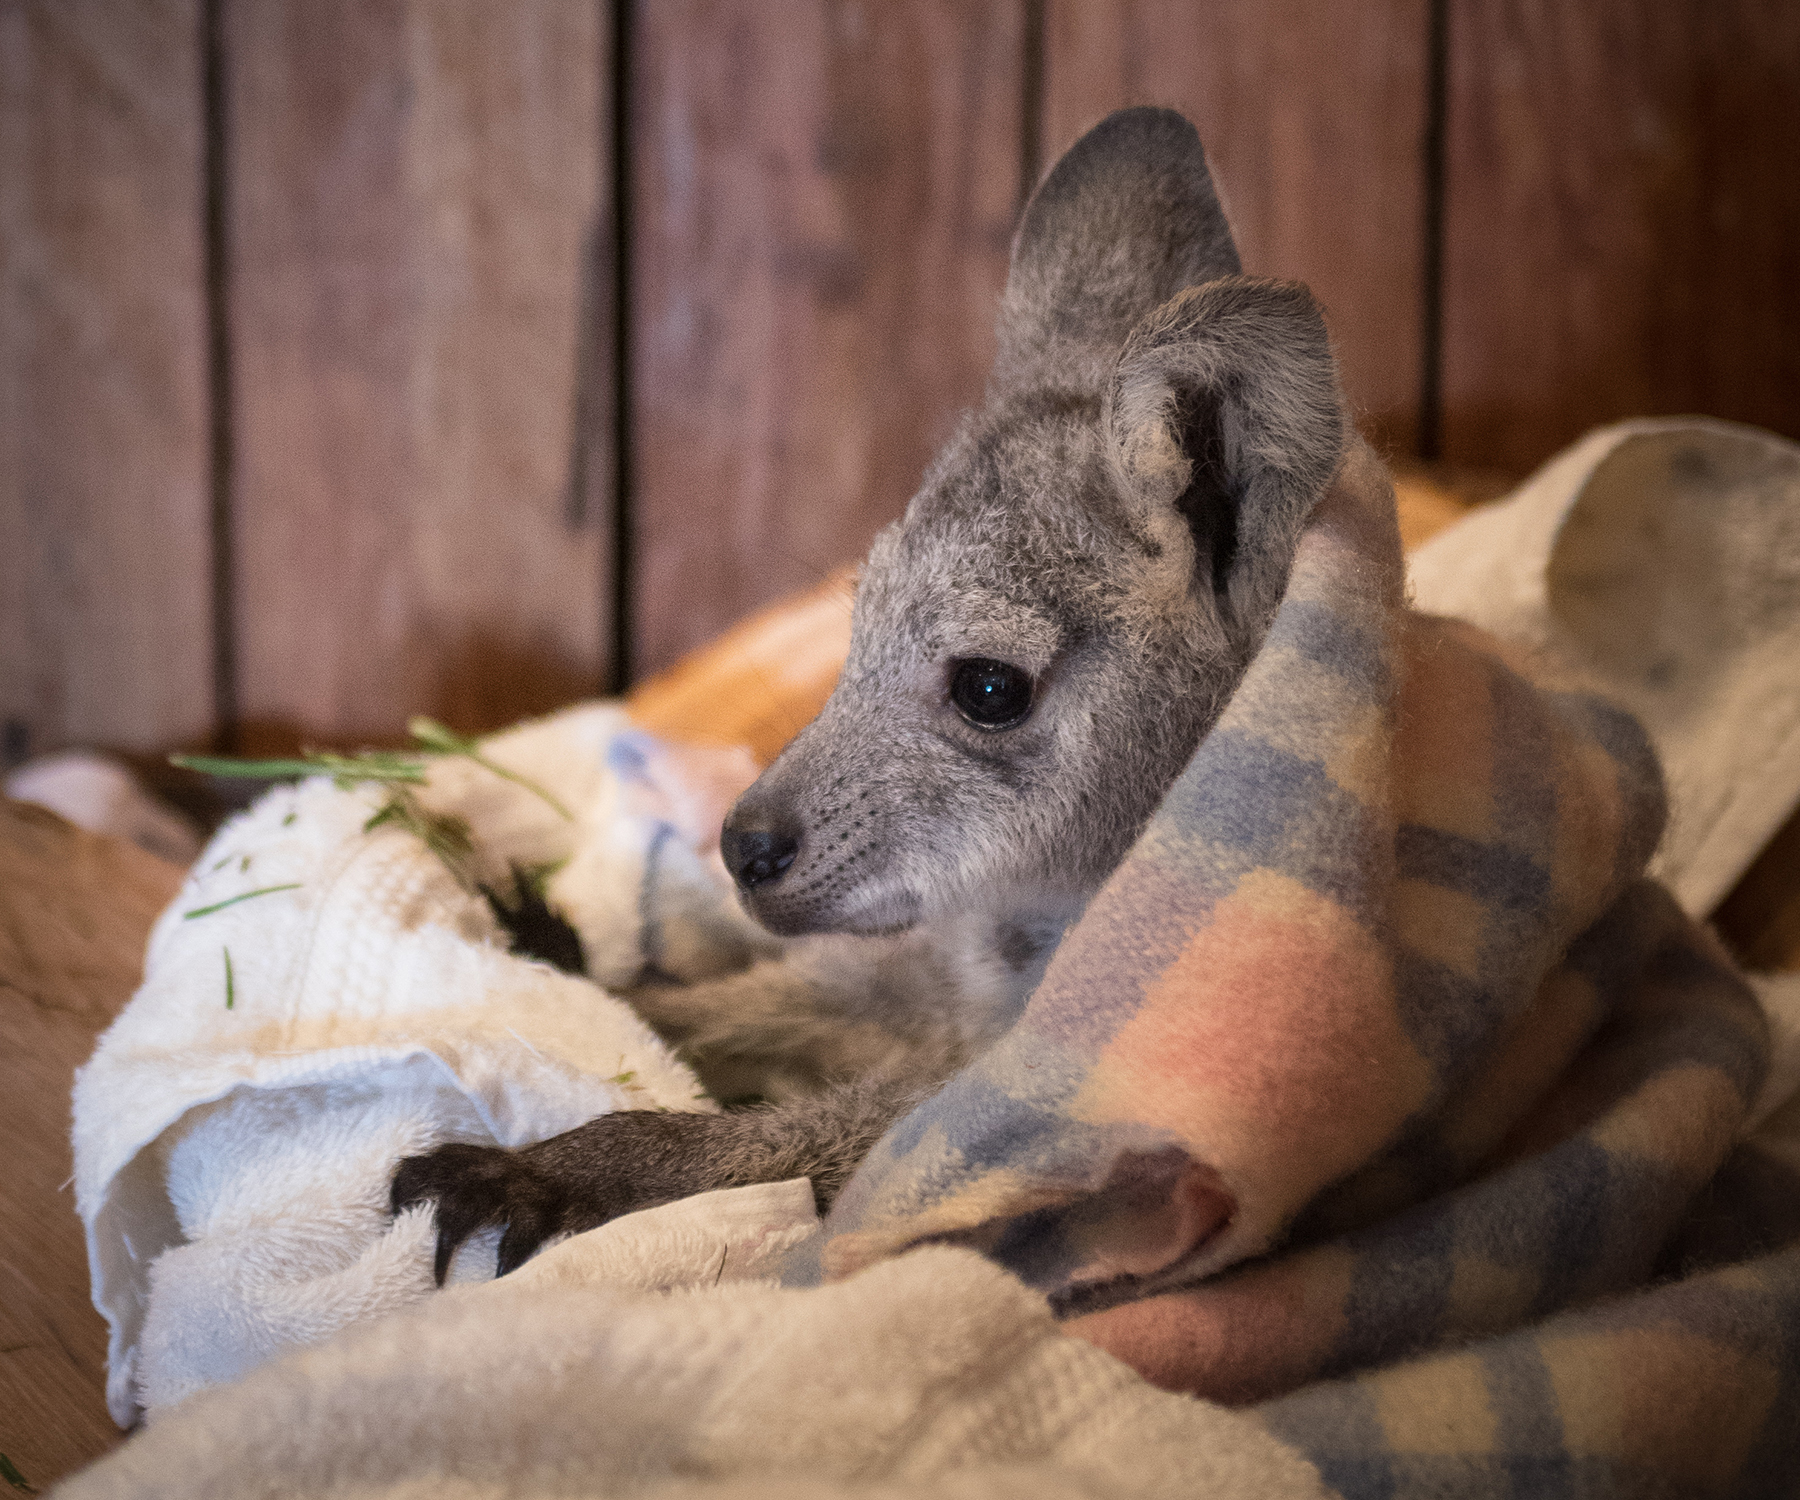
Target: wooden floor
75 910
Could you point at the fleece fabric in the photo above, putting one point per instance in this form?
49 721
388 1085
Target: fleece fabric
1383 988
326 996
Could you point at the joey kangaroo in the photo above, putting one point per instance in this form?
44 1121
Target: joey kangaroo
1037 647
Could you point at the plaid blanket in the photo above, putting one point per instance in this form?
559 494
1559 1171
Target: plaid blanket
1378 1084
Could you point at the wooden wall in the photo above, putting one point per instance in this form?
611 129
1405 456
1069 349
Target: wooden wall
1622 229
368 357
105 536
823 192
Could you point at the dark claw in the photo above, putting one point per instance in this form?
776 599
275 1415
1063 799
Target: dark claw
475 1186
584 1177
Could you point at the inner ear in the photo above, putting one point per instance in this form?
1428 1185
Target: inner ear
1225 419
1209 503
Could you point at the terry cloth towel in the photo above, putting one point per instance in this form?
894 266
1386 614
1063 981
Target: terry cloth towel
326 996
1382 1019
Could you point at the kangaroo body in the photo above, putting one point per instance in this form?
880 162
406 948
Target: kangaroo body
1037 647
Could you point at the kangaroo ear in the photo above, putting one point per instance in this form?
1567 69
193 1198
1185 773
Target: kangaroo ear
1126 219
1227 425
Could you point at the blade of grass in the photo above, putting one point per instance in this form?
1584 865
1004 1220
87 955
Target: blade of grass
207 911
446 741
251 770
446 835
370 765
230 983
10 1473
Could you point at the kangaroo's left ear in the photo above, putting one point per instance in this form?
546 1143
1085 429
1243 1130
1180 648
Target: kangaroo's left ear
1227 424
1122 223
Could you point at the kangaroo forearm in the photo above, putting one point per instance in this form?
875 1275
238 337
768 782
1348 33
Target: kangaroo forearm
639 1158
770 1030
643 1157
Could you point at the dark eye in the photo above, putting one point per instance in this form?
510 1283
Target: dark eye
990 694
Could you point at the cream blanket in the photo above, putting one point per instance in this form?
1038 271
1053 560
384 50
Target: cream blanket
933 1375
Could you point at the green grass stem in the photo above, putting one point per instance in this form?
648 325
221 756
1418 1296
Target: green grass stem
267 890
435 736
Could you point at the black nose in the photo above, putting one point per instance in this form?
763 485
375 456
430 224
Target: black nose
756 856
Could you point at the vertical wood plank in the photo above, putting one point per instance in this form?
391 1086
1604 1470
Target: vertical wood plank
824 197
1623 219
1312 117
105 634
416 201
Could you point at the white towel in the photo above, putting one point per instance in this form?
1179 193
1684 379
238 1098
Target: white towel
237 1127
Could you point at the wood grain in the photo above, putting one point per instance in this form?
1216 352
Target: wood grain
75 911
415 205
105 634
1623 219
1312 118
824 197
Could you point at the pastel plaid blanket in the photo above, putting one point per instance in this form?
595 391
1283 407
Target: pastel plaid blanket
1379 1086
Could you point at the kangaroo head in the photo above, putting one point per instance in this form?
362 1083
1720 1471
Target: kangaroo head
1071 597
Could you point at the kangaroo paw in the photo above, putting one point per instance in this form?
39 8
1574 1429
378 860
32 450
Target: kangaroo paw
475 1186
578 1180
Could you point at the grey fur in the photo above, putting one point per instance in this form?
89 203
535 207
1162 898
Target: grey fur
1118 519
1124 221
